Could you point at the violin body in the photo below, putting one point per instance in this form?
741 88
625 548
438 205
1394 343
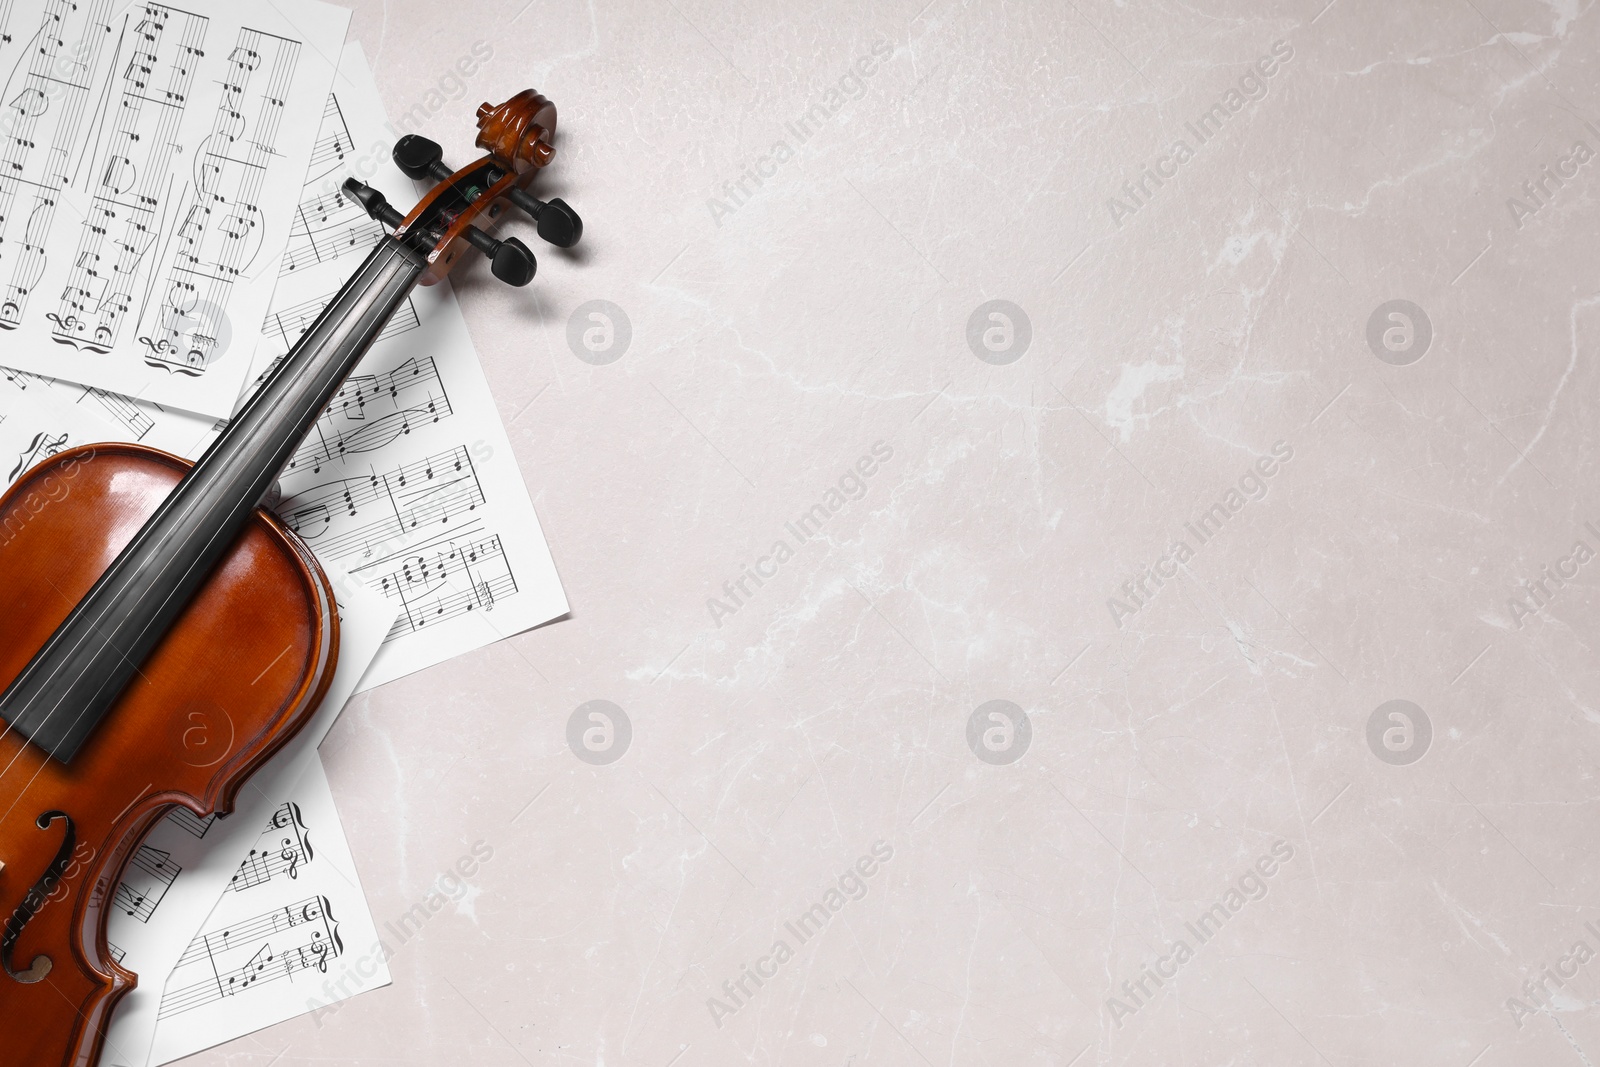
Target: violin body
243 667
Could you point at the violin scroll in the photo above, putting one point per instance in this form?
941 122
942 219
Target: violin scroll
517 136
519 130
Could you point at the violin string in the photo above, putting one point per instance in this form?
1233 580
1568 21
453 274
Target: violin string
93 630
393 253
9 726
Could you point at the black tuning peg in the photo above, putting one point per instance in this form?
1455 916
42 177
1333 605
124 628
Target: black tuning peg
558 223
418 158
509 260
372 202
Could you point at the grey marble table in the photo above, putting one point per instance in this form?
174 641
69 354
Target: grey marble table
1080 517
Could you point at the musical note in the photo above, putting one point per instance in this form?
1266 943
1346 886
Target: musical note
346 516
249 972
284 847
269 947
45 109
132 176
453 577
41 447
190 822
371 411
145 882
221 231
398 465
327 224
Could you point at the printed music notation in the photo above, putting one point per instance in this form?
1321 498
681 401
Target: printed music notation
285 848
124 412
451 578
42 446
39 424
325 228
353 519
116 953
333 144
285 325
327 224
132 169
291 792
145 882
222 229
275 945
40 417
151 157
114 406
191 823
372 410
46 140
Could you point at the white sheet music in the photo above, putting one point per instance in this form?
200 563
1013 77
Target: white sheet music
150 159
290 935
118 417
407 480
188 864
36 425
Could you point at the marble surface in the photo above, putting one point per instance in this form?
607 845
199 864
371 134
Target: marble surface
1194 746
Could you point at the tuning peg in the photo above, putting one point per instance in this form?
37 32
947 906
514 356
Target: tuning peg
558 223
509 260
418 158
372 202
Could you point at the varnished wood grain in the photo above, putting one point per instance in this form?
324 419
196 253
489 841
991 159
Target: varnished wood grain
246 664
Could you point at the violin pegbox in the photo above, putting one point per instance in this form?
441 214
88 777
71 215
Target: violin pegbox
516 135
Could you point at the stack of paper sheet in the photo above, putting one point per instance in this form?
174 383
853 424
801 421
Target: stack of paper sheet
170 224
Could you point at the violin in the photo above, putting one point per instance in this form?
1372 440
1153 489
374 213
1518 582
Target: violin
162 634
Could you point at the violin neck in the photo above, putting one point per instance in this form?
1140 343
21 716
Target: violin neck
79 674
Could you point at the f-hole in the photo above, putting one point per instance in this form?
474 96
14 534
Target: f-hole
35 900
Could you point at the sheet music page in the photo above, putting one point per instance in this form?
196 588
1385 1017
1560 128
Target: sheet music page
289 933
407 480
117 417
186 864
153 156
37 425
324 224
